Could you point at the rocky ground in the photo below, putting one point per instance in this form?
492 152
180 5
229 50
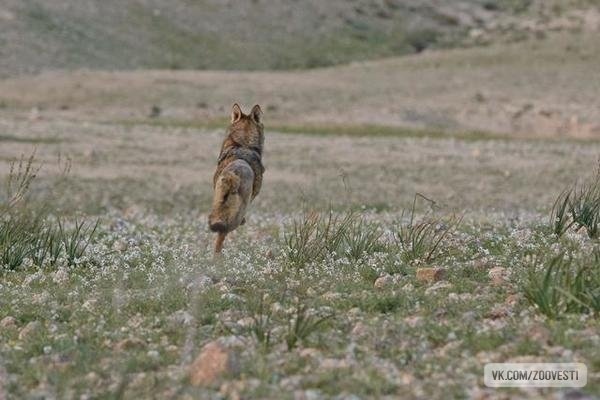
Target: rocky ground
141 313
484 139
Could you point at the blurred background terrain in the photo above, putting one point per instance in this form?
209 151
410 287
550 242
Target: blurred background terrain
37 35
520 67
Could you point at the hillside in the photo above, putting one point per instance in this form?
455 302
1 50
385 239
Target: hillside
38 35
543 87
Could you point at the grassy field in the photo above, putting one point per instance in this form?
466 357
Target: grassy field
324 293
128 317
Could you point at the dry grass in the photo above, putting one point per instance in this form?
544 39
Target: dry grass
112 166
544 88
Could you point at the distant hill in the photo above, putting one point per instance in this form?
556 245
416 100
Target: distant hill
38 35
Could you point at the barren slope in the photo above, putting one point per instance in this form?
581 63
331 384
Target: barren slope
543 87
39 35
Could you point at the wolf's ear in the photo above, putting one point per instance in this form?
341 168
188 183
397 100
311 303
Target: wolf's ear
256 114
236 113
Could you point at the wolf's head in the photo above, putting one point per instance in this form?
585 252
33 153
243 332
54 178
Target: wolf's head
247 130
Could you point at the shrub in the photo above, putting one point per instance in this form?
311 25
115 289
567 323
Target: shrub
578 207
422 239
361 238
313 237
76 242
296 324
27 231
302 325
260 310
560 216
560 285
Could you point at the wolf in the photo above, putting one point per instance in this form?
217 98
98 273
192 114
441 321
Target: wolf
238 177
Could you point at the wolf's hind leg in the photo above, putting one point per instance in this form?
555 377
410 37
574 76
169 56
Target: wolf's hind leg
219 242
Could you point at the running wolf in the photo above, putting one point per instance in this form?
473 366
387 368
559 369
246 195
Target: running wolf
239 173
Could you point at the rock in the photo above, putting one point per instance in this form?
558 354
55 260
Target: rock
129 344
246 322
233 342
574 394
309 394
453 296
91 378
60 276
309 352
8 323
154 354
180 318
498 276
430 275
383 281
556 351
233 390
466 296
498 312
201 283
437 286
335 363
413 321
120 245
331 296
172 349
213 362
359 330
538 333
469 316
90 304
231 297
512 300
137 381
31 329
290 382
60 362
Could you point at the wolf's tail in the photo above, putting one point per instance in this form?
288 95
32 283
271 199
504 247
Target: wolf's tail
226 202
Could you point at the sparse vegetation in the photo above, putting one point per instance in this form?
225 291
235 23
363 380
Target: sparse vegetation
29 232
313 237
373 293
307 295
561 285
302 324
421 240
578 207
